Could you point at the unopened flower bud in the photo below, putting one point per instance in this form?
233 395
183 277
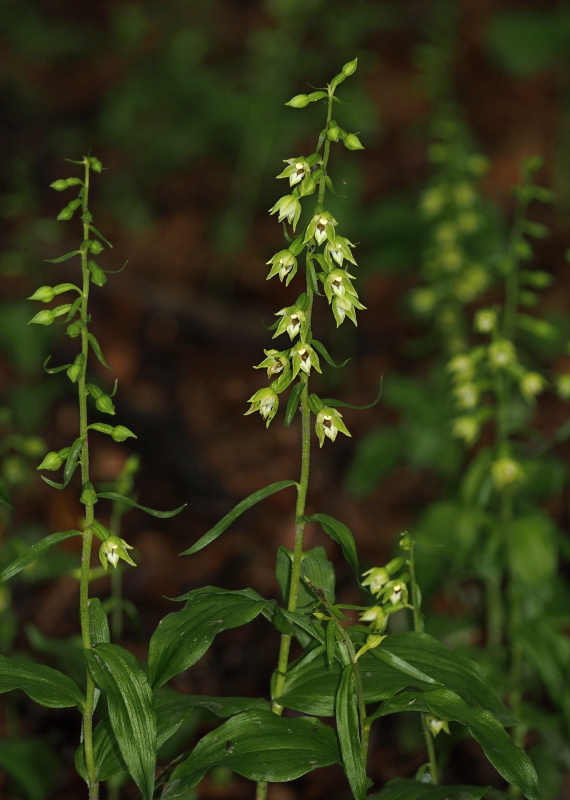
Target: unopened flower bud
104 404
299 101
52 461
352 142
44 294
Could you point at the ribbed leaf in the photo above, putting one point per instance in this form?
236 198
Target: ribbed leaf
341 534
347 726
183 637
108 759
315 566
34 552
48 687
510 761
409 789
260 746
226 521
128 501
293 403
98 623
129 699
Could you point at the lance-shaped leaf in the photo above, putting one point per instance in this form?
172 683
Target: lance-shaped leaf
98 623
260 746
129 699
341 534
319 346
34 552
46 686
107 755
64 257
54 370
333 403
293 402
183 637
71 464
510 761
226 521
97 350
409 789
128 501
348 731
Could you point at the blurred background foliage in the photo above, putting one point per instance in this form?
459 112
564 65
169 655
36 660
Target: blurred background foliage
183 101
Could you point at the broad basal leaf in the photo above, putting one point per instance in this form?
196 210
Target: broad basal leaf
260 746
510 761
129 700
183 637
48 687
409 789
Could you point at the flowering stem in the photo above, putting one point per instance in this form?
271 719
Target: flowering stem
89 508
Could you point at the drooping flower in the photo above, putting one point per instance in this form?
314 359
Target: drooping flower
531 384
287 207
304 357
113 549
276 362
296 171
283 264
266 402
338 283
501 353
376 616
376 578
292 319
506 471
321 227
329 423
345 306
338 248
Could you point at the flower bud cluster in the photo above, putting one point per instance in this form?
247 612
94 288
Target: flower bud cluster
327 255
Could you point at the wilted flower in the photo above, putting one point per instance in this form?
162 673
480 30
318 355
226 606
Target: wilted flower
289 208
329 423
283 264
292 318
112 549
266 402
304 357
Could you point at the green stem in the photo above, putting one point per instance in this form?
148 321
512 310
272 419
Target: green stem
419 627
89 509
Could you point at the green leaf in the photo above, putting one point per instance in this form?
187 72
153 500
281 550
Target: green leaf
34 552
72 460
129 699
16 756
409 789
107 756
4 495
347 726
183 637
342 535
97 350
315 566
172 708
98 623
293 403
54 370
260 746
510 761
226 521
63 258
46 686
100 235
121 498
320 348
330 401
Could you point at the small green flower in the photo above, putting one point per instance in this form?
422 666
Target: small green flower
466 428
501 353
276 362
292 320
563 385
304 357
112 549
376 616
289 208
466 395
266 402
283 264
321 227
485 320
298 168
506 471
345 306
436 725
376 578
329 423
531 384
338 248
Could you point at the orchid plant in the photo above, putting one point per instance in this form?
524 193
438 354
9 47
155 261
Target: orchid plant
348 668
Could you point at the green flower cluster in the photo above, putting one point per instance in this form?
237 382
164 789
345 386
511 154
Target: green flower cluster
327 255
